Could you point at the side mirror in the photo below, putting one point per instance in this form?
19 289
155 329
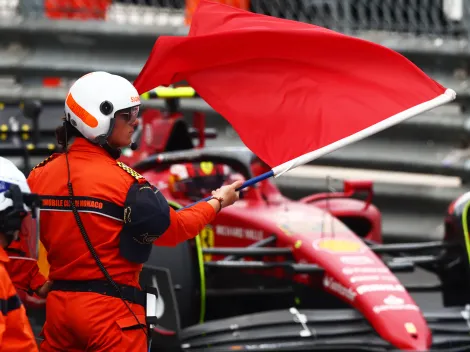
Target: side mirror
351 187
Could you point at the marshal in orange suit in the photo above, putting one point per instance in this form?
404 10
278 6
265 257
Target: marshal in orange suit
100 219
16 205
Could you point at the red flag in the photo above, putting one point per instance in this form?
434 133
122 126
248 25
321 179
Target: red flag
290 88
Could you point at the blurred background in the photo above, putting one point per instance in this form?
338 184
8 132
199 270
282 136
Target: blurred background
419 166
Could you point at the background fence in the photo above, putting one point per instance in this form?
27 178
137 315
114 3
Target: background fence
46 45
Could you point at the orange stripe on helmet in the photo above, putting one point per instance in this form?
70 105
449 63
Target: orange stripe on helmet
81 113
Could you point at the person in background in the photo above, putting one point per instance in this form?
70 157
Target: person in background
31 285
16 202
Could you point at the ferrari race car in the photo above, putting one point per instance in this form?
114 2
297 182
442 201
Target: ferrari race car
276 274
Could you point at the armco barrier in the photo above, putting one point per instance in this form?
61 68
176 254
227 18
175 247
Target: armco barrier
440 18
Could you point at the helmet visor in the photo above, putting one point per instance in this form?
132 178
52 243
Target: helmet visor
129 115
29 235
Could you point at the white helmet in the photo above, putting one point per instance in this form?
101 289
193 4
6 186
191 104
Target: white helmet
19 210
10 174
93 101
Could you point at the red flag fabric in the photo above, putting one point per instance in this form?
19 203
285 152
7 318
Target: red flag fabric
286 87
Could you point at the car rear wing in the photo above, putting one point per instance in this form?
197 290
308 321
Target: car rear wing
170 99
173 98
170 93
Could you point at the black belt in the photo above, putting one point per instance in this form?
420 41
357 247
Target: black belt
129 293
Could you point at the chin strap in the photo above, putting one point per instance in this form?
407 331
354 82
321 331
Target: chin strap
114 152
102 141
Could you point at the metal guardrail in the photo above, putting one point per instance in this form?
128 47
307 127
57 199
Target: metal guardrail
417 17
413 25
71 48
433 17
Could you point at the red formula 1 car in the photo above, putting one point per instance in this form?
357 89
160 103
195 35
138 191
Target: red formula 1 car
275 274
307 275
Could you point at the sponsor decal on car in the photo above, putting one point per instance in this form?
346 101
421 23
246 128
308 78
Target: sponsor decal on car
275 346
285 229
333 285
352 271
392 302
207 240
379 288
206 167
411 328
356 260
372 278
238 232
334 245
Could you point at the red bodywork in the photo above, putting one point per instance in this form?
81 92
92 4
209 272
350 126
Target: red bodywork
311 227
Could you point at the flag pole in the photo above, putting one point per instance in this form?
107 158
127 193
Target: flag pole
281 169
245 184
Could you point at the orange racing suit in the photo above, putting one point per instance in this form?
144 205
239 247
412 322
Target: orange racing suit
15 330
107 198
25 275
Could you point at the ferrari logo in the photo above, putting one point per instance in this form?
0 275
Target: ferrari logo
207 167
207 240
338 245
